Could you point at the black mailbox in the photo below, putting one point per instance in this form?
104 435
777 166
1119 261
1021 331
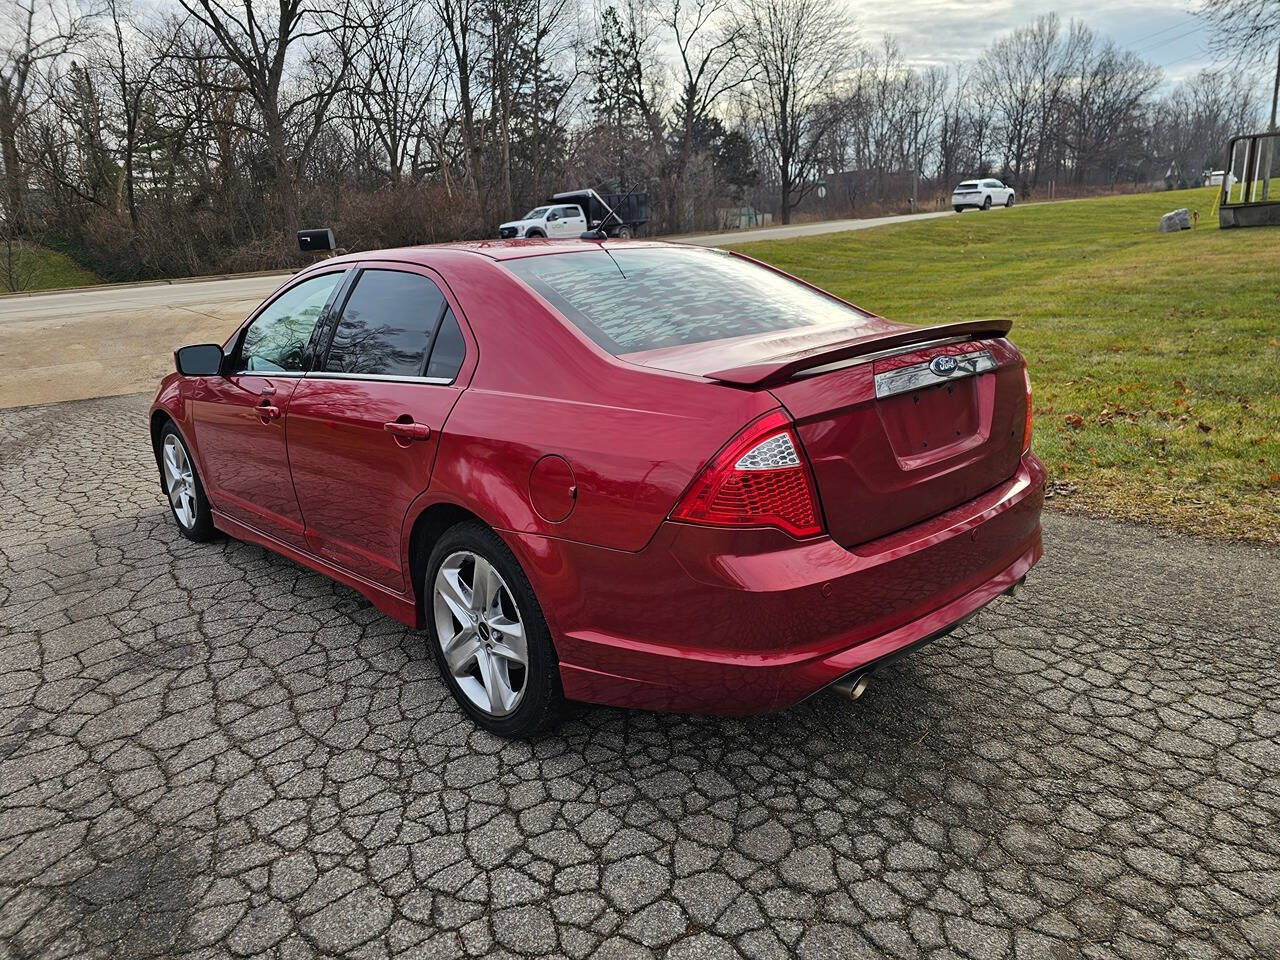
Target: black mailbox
316 241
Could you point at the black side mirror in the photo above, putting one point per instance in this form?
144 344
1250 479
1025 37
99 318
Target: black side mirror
199 360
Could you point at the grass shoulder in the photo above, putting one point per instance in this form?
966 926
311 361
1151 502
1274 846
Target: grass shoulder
1153 356
27 267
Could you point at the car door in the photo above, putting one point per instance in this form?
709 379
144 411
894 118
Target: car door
364 425
239 416
575 223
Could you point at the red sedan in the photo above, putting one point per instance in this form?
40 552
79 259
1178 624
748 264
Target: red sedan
629 473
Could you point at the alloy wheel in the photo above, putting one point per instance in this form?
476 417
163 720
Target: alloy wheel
480 632
180 481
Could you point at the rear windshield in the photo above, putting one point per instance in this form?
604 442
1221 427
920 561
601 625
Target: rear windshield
968 185
629 300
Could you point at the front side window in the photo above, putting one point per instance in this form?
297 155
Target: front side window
628 301
387 325
276 341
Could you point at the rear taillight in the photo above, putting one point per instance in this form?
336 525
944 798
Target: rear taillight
760 479
1026 432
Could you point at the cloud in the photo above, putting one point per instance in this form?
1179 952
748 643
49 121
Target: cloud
947 32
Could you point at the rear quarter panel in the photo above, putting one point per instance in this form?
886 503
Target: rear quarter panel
634 438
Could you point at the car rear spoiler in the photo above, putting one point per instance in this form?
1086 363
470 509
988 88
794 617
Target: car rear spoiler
779 369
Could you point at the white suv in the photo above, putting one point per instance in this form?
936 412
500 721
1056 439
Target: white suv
551 221
982 194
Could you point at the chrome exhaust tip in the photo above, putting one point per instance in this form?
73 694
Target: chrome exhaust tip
852 687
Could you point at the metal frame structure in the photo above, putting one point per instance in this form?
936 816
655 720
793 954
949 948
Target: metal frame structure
1246 197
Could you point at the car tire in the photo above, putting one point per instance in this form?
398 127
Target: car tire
624 232
535 235
180 481
958 209
986 202
501 692
1009 201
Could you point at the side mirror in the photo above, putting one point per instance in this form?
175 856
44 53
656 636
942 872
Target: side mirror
199 360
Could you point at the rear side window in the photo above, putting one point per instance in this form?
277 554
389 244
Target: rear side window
449 350
387 325
628 301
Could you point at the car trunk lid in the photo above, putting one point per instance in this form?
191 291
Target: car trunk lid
899 423
906 436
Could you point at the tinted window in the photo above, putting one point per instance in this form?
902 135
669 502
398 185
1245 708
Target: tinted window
633 300
386 325
277 340
567 212
968 185
449 350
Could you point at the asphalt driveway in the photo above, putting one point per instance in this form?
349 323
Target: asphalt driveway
207 750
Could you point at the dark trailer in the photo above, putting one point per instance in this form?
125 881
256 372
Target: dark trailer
631 210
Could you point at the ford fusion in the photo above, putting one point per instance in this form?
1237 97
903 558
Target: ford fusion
620 472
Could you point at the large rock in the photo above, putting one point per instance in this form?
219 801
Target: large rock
1176 220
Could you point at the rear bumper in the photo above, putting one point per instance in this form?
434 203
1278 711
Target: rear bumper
737 622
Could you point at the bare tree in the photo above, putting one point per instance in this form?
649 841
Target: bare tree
461 26
262 43
1245 32
133 59
397 74
802 50
708 45
34 33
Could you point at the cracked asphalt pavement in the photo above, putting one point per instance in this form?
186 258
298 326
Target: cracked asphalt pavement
209 751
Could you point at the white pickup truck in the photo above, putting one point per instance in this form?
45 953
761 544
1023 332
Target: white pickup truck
564 220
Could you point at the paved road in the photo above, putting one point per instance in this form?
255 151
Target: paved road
107 341
206 750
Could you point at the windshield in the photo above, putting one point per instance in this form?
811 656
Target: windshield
633 300
537 213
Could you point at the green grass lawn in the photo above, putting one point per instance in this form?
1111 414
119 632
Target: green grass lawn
1153 357
31 267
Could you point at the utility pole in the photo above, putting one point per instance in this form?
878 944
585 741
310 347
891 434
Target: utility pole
1275 93
1271 142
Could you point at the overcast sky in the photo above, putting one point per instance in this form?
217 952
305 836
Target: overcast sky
947 31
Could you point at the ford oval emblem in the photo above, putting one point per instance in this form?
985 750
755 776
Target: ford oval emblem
944 365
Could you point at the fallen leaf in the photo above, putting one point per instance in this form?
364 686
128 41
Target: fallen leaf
1203 427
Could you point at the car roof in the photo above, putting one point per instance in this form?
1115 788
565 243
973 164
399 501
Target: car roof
495 249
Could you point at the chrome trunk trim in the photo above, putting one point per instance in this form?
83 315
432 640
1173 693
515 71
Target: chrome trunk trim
931 373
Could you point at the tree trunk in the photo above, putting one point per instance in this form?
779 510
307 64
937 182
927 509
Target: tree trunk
14 185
